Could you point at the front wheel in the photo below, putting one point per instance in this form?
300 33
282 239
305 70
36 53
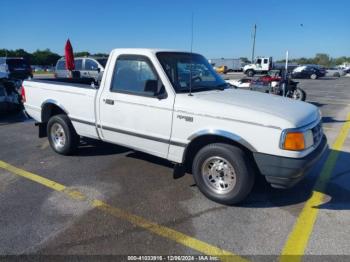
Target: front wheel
298 94
250 73
223 173
61 134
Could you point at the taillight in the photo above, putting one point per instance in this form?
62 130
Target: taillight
23 95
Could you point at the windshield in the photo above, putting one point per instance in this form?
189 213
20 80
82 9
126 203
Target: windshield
185 70
102 61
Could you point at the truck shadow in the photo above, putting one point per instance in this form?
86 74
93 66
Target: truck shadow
91 147
328 119
337 193
262 195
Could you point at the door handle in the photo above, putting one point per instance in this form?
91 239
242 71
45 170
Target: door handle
108 101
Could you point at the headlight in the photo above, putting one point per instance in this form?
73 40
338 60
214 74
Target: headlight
297 140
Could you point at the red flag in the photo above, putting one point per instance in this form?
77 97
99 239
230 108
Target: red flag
68 51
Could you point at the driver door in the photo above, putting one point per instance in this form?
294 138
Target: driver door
130 115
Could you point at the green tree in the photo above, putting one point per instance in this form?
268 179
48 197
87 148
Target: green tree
44 57
323 59
80 54
245 60
101 54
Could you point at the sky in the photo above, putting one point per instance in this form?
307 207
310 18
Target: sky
222 28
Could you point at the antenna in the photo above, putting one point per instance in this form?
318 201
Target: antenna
190 94
254 37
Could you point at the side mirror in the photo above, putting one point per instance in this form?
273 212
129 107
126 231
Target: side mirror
152 86
98 70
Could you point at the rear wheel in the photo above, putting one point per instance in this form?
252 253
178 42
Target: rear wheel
222 173
61 134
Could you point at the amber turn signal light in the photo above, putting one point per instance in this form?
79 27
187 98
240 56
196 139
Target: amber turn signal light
294 141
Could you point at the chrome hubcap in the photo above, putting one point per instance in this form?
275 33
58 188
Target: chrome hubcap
219 175
58 136
296 94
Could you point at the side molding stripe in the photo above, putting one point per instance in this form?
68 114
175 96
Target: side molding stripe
117 130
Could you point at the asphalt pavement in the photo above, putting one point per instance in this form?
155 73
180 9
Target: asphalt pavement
154 209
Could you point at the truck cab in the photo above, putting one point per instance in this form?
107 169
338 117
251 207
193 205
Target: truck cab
261 65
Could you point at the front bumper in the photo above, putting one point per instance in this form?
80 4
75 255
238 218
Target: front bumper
284 172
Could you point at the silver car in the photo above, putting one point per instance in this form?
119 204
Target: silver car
87 67
335 72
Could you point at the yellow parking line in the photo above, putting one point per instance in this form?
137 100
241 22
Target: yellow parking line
162 231
169 233
299 237
33 177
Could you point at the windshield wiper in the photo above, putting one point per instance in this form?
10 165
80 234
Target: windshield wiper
220 87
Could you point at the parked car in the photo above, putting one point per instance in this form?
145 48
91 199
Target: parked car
10 99
15 68
308 72
240 83
87 67
335 72
220 132
221 69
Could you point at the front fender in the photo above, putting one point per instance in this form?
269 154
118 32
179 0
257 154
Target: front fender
224 134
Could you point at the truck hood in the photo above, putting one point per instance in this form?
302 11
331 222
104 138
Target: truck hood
249 106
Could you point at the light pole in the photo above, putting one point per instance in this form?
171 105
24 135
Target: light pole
254 36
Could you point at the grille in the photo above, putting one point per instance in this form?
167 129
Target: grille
317 133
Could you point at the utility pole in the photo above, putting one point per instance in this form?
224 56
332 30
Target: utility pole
254 36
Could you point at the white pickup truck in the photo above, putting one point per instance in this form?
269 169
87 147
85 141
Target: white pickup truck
173 105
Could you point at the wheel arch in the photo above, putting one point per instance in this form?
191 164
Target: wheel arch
206 137
50 108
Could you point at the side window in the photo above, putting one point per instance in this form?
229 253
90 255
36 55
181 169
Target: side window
90 65
61 65
266 61
78 64
258 61
131 74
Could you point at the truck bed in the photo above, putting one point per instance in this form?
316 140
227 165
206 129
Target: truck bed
77 95
76 82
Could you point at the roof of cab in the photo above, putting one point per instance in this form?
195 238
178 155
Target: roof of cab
145 50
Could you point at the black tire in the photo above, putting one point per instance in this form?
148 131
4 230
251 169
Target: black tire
71 137
250 73
302 94
313 76
298 94
336 74
244 174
